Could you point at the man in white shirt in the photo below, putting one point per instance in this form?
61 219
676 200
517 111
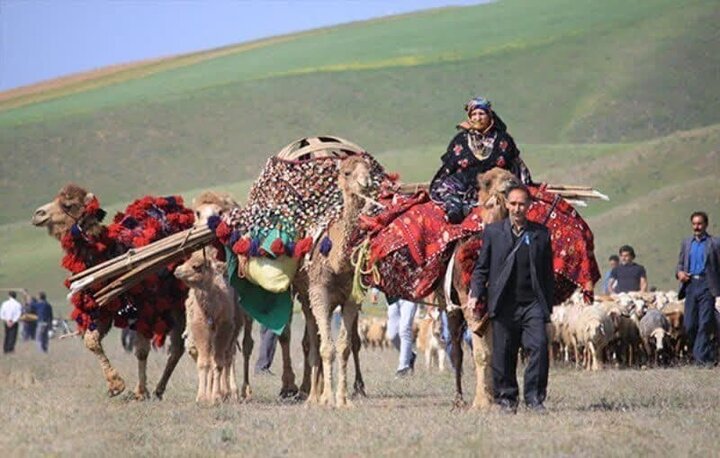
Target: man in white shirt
10 312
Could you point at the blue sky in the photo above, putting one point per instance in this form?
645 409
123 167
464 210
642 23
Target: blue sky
40 40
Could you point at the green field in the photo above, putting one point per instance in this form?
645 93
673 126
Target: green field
620 95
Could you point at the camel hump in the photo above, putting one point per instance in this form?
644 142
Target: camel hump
318 147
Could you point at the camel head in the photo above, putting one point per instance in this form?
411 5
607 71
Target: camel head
354 178
211 203
491 192
200 268
68 208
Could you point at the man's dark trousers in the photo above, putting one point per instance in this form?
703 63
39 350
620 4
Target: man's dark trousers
699 319
523 325
11 333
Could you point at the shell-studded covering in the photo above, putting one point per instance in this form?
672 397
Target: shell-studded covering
295 198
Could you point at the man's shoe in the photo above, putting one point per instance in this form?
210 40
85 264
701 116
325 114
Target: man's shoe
405 372
537 408
265 371
412 361
507 407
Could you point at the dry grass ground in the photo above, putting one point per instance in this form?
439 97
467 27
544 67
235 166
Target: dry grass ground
56 405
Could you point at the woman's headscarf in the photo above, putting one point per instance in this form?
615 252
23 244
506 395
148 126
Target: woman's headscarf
478 103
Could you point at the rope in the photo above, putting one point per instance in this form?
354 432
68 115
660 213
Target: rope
358 258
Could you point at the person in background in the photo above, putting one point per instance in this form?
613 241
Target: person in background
698 270
613 262
401 314
44 313
268 342
10 312
28 327
628 276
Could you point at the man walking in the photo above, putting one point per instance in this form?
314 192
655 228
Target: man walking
613 262
10 312
44 321
266 354
698 270
514 278
628 276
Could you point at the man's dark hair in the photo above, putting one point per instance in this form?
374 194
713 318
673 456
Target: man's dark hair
627 249
515 186
614 257
703 215
12 294
42 295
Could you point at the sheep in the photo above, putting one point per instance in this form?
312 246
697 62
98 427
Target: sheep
376 333
429 339
675 314
654 332
594 329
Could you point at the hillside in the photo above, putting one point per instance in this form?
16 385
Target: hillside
622 95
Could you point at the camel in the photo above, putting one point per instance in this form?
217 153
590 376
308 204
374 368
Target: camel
206 205
492 185
326 281
59 216
215 320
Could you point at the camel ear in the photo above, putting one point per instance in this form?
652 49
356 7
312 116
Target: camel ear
88 197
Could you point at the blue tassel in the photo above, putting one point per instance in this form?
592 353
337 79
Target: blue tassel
234 237
92 326
213 222
254 247
75 231
130 222
325 246
290 248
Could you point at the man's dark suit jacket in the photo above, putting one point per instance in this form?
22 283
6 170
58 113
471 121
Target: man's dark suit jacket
712 264
489 279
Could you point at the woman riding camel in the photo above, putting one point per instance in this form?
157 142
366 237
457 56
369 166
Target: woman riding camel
482 143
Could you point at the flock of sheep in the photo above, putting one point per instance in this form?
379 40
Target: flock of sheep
624 330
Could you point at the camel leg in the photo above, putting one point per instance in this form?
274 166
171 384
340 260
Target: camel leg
359 385
142 348
313 365
289 389
482 353
455 323
319 304
344 348
93 342
177 348
247 348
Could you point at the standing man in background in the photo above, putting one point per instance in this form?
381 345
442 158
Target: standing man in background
628 276
698 270
10 312
44 313
613 262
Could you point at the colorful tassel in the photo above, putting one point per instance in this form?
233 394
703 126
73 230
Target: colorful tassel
303 247
241 247
277 247
325 246
213 222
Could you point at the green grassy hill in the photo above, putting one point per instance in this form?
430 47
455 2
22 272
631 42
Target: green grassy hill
622 95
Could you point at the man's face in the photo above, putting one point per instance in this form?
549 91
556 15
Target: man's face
517 205
625 257
699 225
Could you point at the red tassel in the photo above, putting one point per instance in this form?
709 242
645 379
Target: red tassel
242 246
277 247
303 247
223 232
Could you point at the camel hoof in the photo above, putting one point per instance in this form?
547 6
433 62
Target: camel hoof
116 387
459 404
141 395
289 392
482 406
344 403
158 395
359 391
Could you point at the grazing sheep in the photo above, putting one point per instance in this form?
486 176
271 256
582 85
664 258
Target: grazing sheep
376 333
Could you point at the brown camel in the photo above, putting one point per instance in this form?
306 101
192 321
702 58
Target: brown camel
323 282
58 216
211 203
492 185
